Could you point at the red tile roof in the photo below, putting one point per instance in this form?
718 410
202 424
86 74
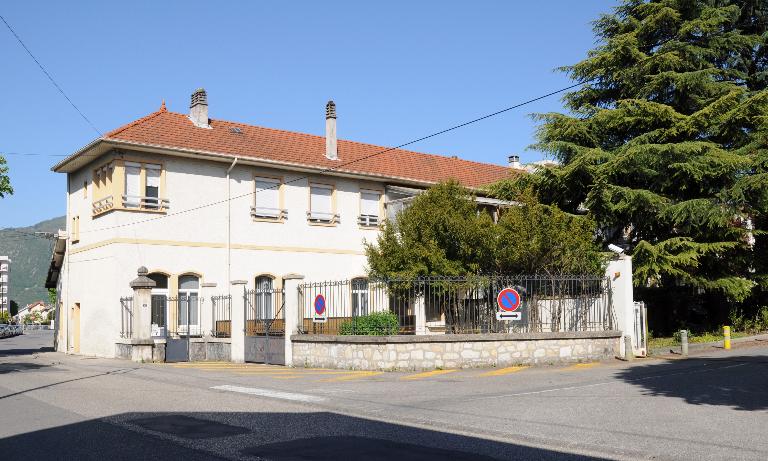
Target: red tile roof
176 131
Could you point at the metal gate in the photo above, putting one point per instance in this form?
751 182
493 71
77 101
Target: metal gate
183 323
265 325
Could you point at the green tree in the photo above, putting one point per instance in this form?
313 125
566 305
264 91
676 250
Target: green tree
534 238
14 307
52 296
5 181
665 142
440 233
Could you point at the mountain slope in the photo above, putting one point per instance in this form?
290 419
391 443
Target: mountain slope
30 256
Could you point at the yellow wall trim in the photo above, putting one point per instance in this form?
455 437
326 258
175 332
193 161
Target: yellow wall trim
235 246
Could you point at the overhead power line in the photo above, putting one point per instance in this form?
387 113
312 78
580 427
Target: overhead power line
47 74
336 167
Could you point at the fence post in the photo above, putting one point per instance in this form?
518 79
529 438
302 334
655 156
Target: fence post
684 343
420 311
291 311
619 271
237 335
142 305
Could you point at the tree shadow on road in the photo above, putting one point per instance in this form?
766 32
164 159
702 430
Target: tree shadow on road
739 382
13 367
316 436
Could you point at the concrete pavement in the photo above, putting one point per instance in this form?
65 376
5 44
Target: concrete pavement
706 407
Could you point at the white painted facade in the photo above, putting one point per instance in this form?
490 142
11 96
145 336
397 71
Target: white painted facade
104 251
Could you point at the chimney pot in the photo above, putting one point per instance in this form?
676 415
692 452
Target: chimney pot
514 162
198 108
331 144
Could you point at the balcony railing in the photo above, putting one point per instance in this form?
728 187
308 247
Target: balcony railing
368 220
103 204
145 203
276 214
324 218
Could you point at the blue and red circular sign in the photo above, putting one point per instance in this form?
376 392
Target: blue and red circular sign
320 304
508 300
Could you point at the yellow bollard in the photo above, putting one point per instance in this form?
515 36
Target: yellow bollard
726 337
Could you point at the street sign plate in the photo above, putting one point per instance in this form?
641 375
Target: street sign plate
509 302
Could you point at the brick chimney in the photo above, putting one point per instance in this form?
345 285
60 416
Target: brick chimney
331 147
198 108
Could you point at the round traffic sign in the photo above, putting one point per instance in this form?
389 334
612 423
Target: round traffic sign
508 299
320 304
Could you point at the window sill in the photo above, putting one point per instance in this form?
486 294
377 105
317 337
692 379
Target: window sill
322 224
270 220
371 227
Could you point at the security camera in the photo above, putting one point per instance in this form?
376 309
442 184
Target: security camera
615 248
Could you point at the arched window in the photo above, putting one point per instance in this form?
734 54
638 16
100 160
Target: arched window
359 296
264 297
189 305
159 303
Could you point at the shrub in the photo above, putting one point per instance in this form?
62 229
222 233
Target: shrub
376 324
5 317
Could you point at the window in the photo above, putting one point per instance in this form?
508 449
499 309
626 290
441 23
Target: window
189 305
75 229
152 187
369 208
321 204
359 297
267 200
263 301
132 197
143 187
159 303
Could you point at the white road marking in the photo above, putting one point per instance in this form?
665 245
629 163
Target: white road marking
270 393
570 388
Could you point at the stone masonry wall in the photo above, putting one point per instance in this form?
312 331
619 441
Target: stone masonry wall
452 351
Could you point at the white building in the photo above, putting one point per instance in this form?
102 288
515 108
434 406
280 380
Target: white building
5 277
202 203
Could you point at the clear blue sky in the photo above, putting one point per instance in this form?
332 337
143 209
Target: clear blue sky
396 72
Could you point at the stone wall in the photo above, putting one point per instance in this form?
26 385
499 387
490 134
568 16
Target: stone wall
452 351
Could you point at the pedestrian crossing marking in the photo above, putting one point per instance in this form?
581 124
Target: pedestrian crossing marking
503 371
428 374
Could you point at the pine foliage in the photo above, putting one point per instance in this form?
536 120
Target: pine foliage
666 143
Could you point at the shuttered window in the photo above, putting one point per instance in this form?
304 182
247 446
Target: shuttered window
369 208
132 184
267 202
321 203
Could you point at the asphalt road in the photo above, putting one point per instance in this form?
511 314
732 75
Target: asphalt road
54 406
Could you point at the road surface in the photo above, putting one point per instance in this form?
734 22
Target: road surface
57 406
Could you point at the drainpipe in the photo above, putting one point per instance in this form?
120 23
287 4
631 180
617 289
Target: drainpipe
67 253
229 230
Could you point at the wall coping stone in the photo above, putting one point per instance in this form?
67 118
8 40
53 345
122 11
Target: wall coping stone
454 338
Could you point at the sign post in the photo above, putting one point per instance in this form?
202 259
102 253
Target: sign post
319 310
509 303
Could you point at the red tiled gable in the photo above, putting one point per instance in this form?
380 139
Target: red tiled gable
173 130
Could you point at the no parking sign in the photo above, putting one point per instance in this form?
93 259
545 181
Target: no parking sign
318 309
510 305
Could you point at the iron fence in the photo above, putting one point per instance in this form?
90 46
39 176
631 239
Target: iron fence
445 305
221 315
126 311
264 312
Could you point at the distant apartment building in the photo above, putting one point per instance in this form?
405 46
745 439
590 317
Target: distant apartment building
5 274
205 203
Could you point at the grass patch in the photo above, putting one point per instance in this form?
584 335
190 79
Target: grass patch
710 337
